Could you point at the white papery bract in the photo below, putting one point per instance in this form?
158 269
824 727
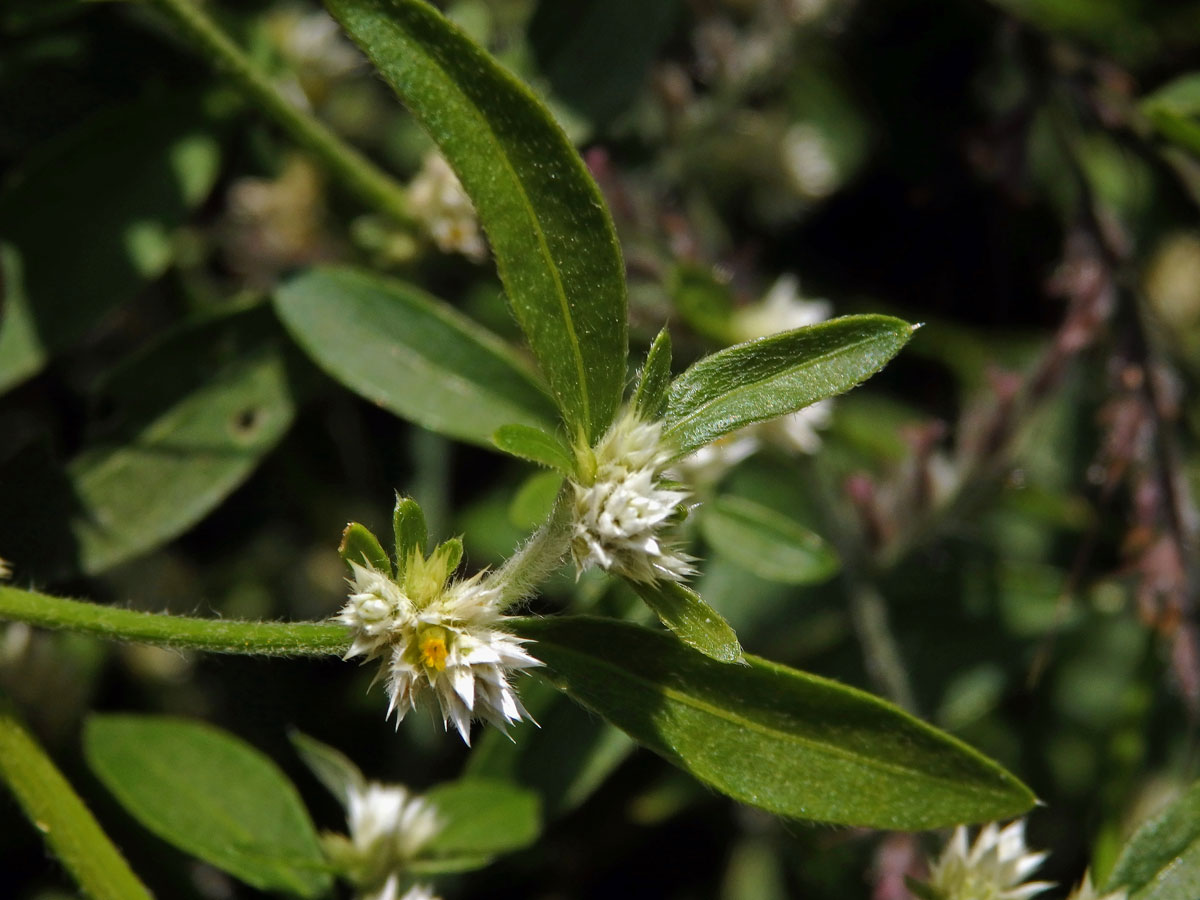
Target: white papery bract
440 637
621 515
993 868
1087 891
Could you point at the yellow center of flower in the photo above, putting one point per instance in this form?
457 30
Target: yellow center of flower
433 649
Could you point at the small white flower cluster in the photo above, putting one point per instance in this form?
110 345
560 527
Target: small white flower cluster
437 200
621 514
389 826
437 636
993 868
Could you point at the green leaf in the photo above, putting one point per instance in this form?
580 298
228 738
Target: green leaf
91 219
777 375
650 399
536 446
767 543
412 536
331 767
767 735
691 619
179 426
411 354
1162 859
361 546
452 552
534 500
554 242
482 817
211 795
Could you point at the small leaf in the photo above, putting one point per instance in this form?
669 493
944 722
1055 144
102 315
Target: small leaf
554 241
482 817
536 446
534 500
211 795
359 545
691 619
767 735
331 767
767 543
1162 859
408 523
651 396
411 354
777 375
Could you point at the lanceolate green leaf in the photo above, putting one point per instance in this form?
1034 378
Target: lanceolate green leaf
552 236
1162 860
651 395
410 353
536 446
770 736
765 542
777 375
212 796
360 546
694 622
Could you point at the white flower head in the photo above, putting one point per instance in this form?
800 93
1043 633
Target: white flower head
437 636
993 868
389 825
437 200
391 891
1087 891
621 515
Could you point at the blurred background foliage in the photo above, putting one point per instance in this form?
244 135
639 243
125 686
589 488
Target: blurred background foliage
997 532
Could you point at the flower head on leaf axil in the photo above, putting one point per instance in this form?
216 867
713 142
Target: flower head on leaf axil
435 634
993 868
622 511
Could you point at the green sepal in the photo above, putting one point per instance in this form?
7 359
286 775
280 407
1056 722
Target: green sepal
360 546
412 536
535 445
691 619
650 399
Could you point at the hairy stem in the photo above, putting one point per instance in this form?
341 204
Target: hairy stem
357 173
213 635
66 824
541 554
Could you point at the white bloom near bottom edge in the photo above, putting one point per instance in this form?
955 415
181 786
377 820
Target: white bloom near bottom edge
391 891
993 868
1087 891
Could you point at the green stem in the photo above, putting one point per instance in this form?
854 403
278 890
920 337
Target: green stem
213 635
541 555
372 185
60 815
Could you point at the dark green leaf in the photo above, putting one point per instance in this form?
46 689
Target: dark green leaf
764 542
1162 860
691 619
211 795
411 354
91 220
785 741
777 375
359 545
651 396
536 446
408 524
553 239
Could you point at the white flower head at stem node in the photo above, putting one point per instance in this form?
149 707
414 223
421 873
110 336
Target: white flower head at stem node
391 891
440 637
993 868
1087 891
621 515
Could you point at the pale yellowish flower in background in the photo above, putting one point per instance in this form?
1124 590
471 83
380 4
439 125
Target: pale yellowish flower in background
994 867
1087 891
437 201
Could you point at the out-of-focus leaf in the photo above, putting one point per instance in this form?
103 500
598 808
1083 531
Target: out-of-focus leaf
360 546
651 395
411 354
91 218
777 375
552 236
181 425
1175 111
704 301
534 500
535 445
482 817
764 542
211 795
773 737
565 760
1162 860
691 619
331 767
